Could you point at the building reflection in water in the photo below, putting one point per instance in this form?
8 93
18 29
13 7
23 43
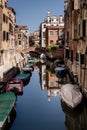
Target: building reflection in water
74 119
49 80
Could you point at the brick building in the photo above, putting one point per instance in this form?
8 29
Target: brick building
75 19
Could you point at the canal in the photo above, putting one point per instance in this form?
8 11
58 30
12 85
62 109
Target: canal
40 106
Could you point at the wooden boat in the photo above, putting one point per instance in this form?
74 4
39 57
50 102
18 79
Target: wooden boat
7 104
9 74
71 95
60 72
27 69
59 62
30 63
2 87
15 85
25 77
71 113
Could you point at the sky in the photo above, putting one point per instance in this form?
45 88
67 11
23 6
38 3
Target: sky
33 12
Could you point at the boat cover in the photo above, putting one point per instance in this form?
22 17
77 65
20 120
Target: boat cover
7 100
71 94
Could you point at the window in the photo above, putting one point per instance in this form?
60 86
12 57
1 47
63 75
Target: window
67 36
43 34
19 35
72 55
73 5
51 33
77 56
51 83
10 28
45 70
82 58
7 36
44 76
19 42
79 30
84 28
0 2
51 41
0 26
0 59
56 19
52 19
56 33
6 19
5 4
67 53
44 26
3 17
56 41
3 35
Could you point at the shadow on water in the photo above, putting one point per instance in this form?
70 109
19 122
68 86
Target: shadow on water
75 119
12 119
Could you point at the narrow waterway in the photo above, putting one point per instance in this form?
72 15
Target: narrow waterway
35 111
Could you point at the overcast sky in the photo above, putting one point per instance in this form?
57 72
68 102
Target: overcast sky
33 12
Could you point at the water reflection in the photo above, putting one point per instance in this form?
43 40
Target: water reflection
12 119
48 80
34 111
74 119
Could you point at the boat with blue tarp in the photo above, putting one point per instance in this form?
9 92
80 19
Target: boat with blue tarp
30 63
25 77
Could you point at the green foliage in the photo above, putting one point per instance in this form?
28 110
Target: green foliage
51 70
51 48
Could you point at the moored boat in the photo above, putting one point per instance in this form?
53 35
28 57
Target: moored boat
72 113
15 85
25 77
7 104
27 69
60 71
2 87
30 63
59 63
71 95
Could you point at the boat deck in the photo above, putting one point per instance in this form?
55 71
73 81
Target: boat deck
23 76
7 101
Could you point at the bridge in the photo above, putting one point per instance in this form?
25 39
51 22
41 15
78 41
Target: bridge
29 49
34 49
58 53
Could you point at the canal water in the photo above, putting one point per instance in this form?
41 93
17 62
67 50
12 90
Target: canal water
40 107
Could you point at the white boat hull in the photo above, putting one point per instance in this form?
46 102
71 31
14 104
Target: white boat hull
71 95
